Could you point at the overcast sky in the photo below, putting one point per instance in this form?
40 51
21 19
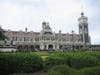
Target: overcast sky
61 14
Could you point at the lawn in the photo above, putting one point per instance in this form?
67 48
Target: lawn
43 54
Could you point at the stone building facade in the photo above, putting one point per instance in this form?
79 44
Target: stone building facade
49 40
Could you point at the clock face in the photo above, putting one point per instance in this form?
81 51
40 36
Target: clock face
83 21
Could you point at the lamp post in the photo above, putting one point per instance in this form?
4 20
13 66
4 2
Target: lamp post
73 41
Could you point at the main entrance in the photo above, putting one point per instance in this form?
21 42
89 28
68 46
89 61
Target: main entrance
50 47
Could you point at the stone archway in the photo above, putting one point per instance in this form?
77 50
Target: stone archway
60 47
37 47
50 47
20 48
26 48
31 48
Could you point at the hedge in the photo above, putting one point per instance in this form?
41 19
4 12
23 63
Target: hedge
52 61
81 61
65 70
60 70
20 63
89 71
30 62
76 60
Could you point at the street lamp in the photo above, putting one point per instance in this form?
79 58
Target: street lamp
73 41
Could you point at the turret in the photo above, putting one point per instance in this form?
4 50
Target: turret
46 28
43 25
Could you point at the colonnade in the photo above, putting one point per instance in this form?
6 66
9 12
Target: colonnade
31 48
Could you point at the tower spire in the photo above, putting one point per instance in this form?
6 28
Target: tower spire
82 13
26 29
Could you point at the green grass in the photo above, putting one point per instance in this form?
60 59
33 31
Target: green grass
44 57
42 53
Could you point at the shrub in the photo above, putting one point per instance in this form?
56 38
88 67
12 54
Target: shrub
95 54
90 71
80 61
60 70
75 60
31 63
19 62
65 70
51 61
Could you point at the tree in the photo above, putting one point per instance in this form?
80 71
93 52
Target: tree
2 36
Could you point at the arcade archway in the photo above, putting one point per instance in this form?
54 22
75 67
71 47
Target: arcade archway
50 47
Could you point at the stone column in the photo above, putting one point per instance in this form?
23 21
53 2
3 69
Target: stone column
47 46
41 46
53 46
57 47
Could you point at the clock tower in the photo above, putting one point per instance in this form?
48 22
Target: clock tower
83 29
